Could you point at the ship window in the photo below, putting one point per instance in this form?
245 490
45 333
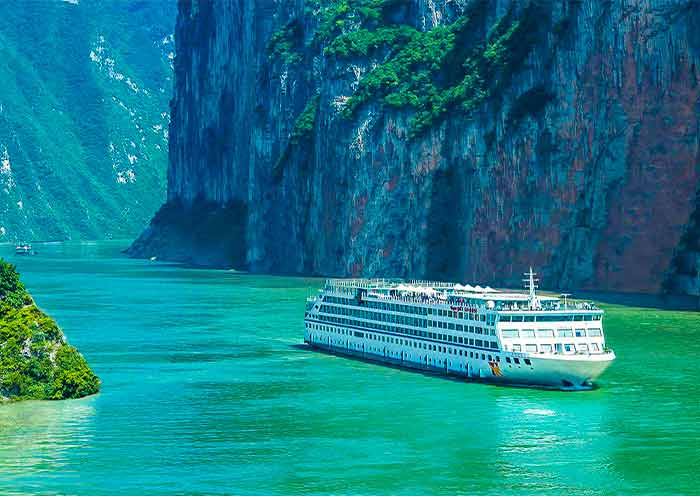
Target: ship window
583 347
527 333
510 333
516 361
578 317
565 333
507 359
594 333
505 318
471 354
568 347
451 326
527 361
516 347
558 348
517 318
546 348
580 333
461 340
490 358
479 342
483 357
529 318
494 345
594 347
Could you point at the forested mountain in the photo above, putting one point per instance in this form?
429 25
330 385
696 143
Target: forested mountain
84 92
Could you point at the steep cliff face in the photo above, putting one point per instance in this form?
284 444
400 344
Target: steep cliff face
84 90
464 140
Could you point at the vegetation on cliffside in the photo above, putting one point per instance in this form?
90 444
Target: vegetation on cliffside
36 362
451 68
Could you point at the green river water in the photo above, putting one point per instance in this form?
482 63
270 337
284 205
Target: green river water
207 391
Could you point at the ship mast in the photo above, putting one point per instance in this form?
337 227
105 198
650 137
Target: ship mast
531 285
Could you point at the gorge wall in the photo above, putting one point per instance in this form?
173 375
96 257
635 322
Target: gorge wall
459 139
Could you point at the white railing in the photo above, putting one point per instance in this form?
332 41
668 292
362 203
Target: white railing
360 283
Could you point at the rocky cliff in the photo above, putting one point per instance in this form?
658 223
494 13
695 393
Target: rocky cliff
84 91
459 139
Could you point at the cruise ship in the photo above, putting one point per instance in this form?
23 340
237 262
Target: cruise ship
473 332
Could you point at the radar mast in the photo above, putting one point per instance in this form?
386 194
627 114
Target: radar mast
531 284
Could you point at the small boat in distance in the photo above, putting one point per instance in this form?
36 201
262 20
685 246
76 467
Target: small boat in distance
481 334
23 249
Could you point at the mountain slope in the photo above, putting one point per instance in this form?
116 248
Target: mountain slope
464 140
83 116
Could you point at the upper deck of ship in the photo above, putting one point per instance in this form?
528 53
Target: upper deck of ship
449 294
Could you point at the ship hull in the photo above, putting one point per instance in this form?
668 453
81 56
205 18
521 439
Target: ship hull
559 373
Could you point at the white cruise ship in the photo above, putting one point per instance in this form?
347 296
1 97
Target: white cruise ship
471 332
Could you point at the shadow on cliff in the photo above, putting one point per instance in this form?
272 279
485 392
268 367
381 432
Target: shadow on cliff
201 233
446 233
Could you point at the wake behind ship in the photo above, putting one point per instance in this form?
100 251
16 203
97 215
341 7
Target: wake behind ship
473 332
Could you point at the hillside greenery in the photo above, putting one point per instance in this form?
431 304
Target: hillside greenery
450 69
36 362
83 116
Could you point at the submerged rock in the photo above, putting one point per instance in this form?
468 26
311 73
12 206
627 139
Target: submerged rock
36 361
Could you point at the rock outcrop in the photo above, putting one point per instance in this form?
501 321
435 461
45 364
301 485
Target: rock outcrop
36 362
463 139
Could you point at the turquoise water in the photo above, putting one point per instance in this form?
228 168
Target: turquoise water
205 391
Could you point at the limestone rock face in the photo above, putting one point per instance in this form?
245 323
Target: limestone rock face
575 151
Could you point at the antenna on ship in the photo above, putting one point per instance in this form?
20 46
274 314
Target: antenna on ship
531 284
566 301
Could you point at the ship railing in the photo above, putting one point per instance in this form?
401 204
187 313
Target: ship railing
360 283
546 308
430 284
